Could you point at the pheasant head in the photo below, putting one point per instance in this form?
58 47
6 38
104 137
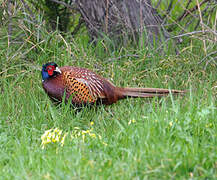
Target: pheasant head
49 70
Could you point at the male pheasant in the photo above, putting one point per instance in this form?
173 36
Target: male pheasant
83 86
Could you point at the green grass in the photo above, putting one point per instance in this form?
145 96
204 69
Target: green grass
172 137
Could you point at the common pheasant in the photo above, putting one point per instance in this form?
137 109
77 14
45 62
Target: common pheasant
83 86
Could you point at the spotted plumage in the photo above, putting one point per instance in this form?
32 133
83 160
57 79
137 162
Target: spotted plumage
83 86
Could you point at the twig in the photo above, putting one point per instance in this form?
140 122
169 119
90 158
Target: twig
208 55
189 11
120 57
187 25
189 33
201 21
106 18
34 45
212 59
141 24
203 15
68 47
215 23
18 50
168 9
10 29
181 35
189 2
196 17
158 4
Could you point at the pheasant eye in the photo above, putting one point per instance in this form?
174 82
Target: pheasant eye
50 70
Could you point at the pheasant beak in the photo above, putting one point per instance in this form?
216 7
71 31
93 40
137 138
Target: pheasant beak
58 70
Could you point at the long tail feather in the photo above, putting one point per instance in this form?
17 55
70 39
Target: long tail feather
148 92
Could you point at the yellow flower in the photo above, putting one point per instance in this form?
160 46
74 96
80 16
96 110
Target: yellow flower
93 135
63 139
132 121
104 143
100 137
85 132
52 136
57 136
171 123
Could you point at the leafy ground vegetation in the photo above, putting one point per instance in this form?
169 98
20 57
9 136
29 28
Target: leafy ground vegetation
167 138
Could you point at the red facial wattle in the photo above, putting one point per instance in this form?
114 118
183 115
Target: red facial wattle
50 70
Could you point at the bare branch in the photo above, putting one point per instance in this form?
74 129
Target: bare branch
208 55
10 29
158 4
169 9
189 11
189 2
201 21
181 35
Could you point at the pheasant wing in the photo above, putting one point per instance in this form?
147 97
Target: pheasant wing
83 86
